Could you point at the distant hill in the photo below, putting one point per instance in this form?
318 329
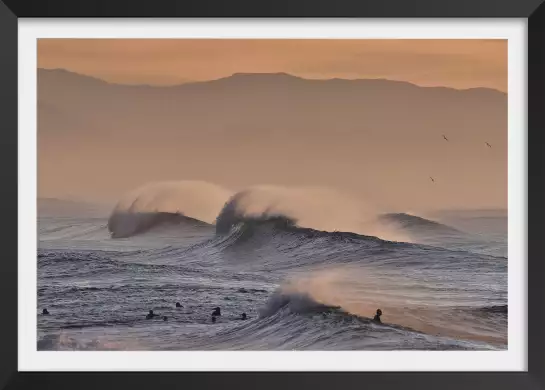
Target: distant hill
380 138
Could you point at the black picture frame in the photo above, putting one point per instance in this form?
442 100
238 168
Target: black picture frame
532 10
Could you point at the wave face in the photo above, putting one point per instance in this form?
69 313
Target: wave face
303 282
166 202
320 209
315 208
417 224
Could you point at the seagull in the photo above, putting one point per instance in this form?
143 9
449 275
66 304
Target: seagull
446 139
487 144
432 179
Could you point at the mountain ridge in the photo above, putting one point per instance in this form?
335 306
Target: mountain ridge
254 76
380 138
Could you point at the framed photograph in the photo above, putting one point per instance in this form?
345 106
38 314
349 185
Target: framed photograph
300 194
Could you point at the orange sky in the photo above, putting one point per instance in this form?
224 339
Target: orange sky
452 63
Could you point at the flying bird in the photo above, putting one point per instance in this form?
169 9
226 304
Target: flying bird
446 139
432 179
487 144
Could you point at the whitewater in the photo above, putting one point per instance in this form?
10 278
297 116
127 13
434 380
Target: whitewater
308 266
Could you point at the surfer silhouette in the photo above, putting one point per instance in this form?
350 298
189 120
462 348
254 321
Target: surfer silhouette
45 312
151 315
446 139
216 312
376 318
243 316
178 304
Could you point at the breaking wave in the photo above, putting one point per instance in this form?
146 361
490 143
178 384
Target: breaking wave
320 209
314 208
166 202
310 267
298 303
351 292
416 224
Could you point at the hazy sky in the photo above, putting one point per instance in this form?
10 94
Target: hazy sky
454 63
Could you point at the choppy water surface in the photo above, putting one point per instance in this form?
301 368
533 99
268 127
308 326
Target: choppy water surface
301 288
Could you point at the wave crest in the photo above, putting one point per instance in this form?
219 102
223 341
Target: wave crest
293 302
320 209
157 203
316 208
416 224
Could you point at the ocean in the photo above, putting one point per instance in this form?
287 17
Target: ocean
440 280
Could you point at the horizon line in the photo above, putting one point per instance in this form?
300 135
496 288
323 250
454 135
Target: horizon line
104 202
262 73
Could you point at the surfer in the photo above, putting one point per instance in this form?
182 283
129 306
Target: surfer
376 318
178 304
243 316
432 179
446 139
487 144
45 312
151 315
216 312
